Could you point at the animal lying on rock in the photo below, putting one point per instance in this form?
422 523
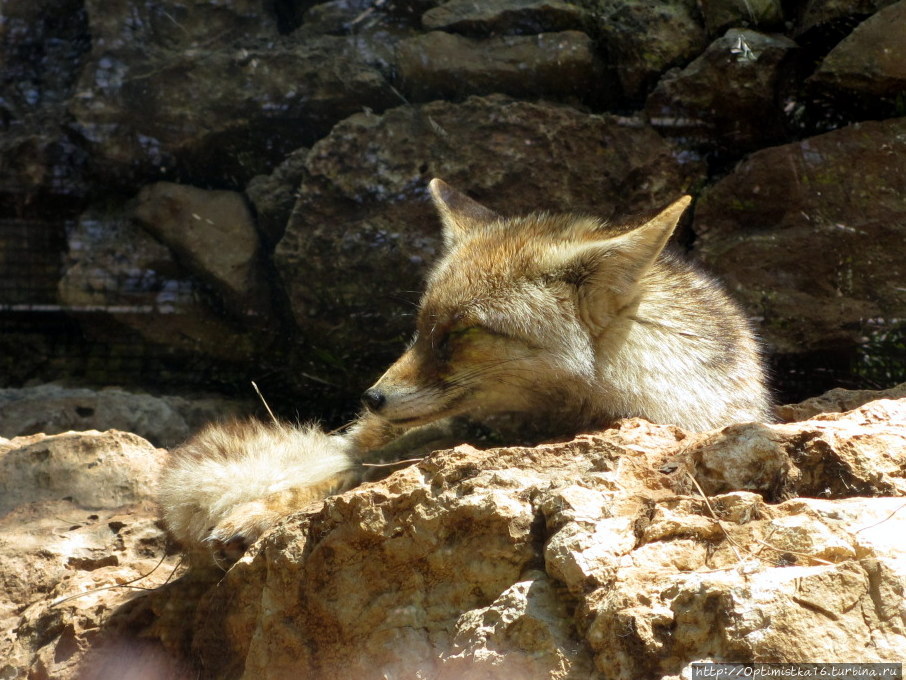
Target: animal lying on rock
561 318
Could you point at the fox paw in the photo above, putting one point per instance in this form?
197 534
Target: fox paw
233 535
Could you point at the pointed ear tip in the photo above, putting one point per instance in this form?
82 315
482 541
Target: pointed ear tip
437 185
678 207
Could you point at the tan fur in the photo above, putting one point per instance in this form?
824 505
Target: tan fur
571 320
562 318
233 480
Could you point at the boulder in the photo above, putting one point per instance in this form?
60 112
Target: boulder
622 553
505 17
42 60
79 539
836 400
181 24
100 99
810 247
597 556
214 236
673 36
726 100
548 65
114 268
162 420
274 195
871 61
723 14
832 455
210 93
818 14
363 232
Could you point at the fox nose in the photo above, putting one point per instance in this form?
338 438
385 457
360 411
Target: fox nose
374 399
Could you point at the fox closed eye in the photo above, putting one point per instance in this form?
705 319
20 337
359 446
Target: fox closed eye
448 341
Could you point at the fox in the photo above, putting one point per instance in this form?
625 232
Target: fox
563 319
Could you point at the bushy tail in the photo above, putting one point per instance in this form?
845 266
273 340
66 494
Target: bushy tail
232 481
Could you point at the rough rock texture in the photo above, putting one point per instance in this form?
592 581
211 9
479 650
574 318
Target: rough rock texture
836 401
593 558
52 409
77 520
817 13
722 14
363 206
43 49
822 457
140 104
727 97
871 61
465 564
807 244
672 37
273 196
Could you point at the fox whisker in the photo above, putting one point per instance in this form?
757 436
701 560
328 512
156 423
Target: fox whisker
563 318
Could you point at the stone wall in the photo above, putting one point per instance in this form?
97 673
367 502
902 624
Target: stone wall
195 195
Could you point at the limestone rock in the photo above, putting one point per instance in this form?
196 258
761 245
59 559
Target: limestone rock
688 595
504 17
437 570
871 61
396 536
836 401
596 557
363 232
213 233
857 453
726 99
77 521
548 65
53 409
812 248
113 469
526 632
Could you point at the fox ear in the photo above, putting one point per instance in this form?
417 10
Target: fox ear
608 272
458 213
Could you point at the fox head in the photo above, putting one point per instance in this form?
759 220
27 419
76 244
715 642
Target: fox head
516 310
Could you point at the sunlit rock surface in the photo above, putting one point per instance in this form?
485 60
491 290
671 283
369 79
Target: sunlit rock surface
78 529
630 552
598 556
163 420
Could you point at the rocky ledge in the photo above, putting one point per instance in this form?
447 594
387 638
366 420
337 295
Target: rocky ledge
626 553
